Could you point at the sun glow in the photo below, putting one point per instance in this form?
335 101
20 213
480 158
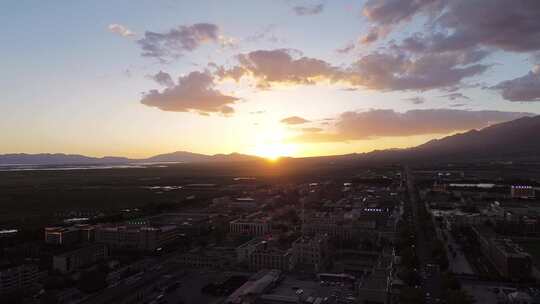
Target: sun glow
274 150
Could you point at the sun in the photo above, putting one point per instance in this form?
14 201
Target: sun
274 150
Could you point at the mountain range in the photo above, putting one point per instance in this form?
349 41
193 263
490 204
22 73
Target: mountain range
76 159
516 139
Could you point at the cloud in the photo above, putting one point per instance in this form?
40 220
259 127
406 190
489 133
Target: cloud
525 88
278 66
386 14
163 79
388 123
464 24
120 30
308 10
346 49
294 120
391 71
194 92
177 41
416 100
401 71
267 33
312 130
455 96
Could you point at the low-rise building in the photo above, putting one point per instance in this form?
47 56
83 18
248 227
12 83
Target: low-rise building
81 257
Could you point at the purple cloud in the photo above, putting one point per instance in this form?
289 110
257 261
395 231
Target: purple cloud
525 88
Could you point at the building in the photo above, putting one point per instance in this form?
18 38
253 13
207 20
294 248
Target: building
311 253
270 257
187 223
18 277
329 224
252 225
62 235
69 235
244 251
508 257
522 192
78 258
136 237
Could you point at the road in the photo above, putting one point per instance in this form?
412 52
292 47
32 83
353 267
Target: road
432 284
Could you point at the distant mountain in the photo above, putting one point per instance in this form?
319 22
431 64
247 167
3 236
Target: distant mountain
516 139
75 159
189 157
57 159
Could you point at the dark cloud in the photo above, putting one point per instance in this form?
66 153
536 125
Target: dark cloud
455 96
416 100
388 123
386 14
463 24
163 79
177 41
508 25
193 92
307 10
525 88
294 120
391 72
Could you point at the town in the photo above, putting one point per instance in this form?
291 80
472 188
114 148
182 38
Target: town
384 234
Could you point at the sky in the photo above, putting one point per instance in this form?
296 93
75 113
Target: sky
272 78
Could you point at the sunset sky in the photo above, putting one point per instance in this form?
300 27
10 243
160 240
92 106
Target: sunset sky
265 77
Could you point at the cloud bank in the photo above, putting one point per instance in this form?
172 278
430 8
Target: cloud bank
388 123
